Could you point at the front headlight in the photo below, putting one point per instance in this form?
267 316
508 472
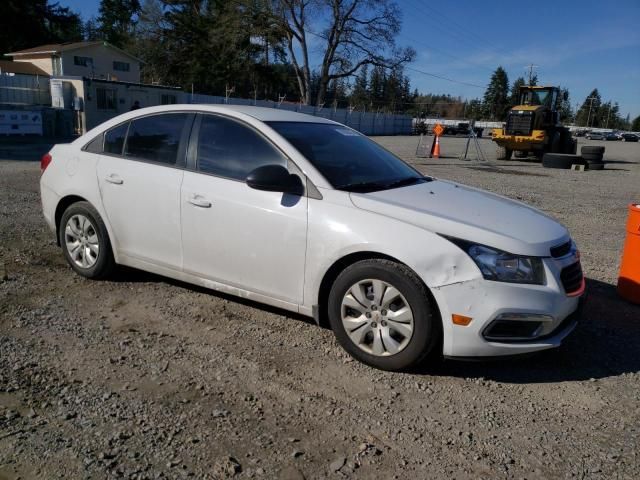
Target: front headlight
501 266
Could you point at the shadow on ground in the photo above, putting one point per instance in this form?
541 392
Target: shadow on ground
605 343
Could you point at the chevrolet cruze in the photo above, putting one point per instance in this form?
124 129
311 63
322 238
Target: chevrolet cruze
309 215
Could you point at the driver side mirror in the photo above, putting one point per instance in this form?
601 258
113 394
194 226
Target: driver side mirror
275 178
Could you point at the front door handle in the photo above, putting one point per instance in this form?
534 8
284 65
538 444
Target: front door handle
199 201
115 179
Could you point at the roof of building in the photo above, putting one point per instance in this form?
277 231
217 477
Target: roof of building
24 68
53 48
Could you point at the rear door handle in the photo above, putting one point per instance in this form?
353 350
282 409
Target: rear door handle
115 179
199 201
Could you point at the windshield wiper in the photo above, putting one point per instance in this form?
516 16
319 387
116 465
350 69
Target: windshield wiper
366 187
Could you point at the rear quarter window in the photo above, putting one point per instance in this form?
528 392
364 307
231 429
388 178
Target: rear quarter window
114 139
95 145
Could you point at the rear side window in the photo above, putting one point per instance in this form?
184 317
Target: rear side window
228 148
156 138
114 139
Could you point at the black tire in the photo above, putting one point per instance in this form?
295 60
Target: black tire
596 166
592 157
104 263
503 153
427 325
561 160
592 149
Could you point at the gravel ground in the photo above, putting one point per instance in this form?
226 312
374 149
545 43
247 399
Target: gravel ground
145 377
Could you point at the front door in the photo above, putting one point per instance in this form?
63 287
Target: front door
233 234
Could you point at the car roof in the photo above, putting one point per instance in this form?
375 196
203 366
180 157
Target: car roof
263 114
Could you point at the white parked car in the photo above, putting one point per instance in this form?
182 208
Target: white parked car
311 216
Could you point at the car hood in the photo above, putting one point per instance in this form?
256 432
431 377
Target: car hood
455 210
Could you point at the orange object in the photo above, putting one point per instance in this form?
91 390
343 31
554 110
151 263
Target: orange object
460 320
629 279
435 148
438 129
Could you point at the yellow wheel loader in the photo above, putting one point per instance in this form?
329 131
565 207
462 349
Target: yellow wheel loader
534 126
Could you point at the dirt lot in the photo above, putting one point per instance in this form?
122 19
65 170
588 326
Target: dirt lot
143 377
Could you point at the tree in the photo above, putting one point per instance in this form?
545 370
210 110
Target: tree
360 94
496 97
635 125
587 114
564 105
356 33
116 19
28 23
514 98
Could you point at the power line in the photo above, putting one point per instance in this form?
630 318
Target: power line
441 77
470 36
434 75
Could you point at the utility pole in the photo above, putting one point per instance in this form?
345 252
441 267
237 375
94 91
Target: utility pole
608 113
531 67
591 99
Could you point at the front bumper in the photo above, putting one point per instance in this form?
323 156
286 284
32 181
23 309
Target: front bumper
519 142
485 301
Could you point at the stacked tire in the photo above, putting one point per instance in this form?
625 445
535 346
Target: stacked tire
561 160
593 156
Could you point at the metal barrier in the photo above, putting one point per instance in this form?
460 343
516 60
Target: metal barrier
368 123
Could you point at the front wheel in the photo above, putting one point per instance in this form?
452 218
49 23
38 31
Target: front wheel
85 241
382 314
503 153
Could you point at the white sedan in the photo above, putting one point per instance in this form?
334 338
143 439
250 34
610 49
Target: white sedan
308 215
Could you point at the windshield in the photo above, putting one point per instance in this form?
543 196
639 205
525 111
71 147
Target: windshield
347 159
535 97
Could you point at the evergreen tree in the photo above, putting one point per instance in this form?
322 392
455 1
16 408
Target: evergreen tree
28 23
360 95
564 105
635 125
587 114
117 20
514 98
496 97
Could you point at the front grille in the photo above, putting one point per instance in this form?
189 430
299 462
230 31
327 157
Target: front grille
561 250
519 123
571 278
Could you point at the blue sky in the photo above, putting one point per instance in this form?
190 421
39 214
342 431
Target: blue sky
579 44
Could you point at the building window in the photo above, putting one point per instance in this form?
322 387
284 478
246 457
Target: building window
82 61
106 99
121 66
167 99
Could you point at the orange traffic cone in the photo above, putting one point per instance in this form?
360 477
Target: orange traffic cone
435 148
629 280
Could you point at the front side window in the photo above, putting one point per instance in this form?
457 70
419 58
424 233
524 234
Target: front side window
114 139
156 138
228 148
347 159
106 98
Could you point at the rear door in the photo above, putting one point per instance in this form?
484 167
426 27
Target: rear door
140 174
233 234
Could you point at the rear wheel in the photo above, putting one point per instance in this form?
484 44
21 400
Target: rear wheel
85 241
382 314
